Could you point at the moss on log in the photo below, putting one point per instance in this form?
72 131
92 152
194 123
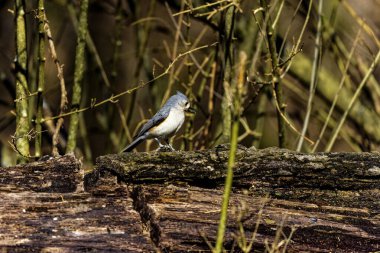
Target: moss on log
339 178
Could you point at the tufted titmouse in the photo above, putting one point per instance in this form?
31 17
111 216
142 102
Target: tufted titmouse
165 123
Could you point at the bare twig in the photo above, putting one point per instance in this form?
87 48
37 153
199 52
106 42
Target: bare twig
113 98
29 136
352 101
361 22
314 74
63 100
298 44
345 74
276 76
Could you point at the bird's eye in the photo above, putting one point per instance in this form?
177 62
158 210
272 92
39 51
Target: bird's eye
187 104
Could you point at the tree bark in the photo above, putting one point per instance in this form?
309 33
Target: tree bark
328 178
331 199
43 208
170 202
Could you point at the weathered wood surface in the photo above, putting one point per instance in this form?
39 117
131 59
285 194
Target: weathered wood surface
342 179
332 199
61 174
144 202
58 216
181 218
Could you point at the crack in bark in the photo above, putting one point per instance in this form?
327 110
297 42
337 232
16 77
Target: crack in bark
147 215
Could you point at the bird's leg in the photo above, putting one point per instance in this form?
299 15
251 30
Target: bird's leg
170 146
163 148
159 143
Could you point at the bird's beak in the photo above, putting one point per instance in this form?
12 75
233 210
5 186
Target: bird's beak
192 110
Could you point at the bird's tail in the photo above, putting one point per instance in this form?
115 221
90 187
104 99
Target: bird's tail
134 143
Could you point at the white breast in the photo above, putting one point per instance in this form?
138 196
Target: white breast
170 125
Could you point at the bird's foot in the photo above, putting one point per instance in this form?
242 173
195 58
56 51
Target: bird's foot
165 148
171 147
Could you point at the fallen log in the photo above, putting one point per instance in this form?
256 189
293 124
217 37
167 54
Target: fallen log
186 218
43 208
170 202
331 199
342 179
62 174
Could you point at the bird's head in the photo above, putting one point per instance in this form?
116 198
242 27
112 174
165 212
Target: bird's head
183 102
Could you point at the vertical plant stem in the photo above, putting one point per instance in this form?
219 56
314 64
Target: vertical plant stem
90 44
238 91
275 21
22 117
227 187
206 136
314 75
262 106
276 76
374 64
228 62
78 75
86 140
344 75
63 103
119 29
41 76
189 130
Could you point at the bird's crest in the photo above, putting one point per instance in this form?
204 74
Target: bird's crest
181 94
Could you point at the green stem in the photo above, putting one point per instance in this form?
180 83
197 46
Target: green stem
228 62
227 187
78 76
238 90
22 117
41 76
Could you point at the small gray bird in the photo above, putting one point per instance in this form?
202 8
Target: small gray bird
165 123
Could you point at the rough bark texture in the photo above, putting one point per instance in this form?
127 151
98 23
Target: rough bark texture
181 218
332 199
325 178
43 208
58 175
170 201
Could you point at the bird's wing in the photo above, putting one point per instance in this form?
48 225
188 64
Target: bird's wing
160 116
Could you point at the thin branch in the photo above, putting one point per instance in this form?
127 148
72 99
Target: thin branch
276 76
314 75
296 47
113 98
352 101
344 75
361 22
63 100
